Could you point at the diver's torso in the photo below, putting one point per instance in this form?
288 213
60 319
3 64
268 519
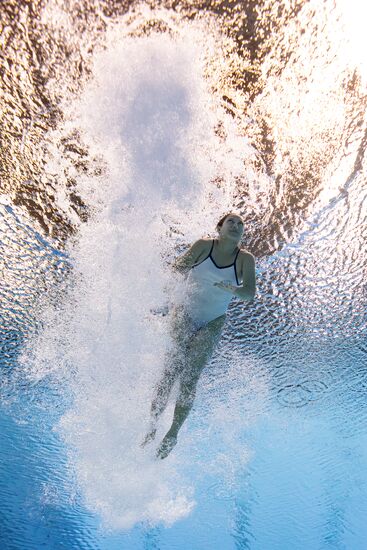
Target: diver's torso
204 301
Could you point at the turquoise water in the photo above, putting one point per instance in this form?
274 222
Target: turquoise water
127 133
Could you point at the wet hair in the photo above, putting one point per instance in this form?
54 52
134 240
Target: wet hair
222 220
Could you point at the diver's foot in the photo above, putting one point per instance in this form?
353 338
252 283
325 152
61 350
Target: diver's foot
149 437
166 446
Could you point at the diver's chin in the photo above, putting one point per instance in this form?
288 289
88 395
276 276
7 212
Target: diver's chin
235 237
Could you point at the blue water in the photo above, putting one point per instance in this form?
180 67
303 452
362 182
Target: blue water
304 487
296 405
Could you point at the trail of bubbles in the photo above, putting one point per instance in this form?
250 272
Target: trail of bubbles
148 118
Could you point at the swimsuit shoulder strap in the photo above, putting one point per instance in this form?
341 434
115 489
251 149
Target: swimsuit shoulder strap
206 257
235 268
211 250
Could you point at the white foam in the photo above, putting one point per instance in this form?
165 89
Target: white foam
149 117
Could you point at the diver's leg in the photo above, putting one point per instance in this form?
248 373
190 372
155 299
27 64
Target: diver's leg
160 400
174 366
200 350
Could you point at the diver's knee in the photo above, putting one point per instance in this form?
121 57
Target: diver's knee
186 398
188 387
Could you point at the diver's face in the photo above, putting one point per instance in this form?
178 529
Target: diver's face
232 228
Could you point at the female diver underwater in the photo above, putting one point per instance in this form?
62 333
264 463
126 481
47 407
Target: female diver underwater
217 270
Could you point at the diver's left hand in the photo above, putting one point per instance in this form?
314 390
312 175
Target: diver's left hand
226 285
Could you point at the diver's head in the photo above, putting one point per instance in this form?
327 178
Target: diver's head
231 226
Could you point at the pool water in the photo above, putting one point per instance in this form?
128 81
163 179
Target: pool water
128 131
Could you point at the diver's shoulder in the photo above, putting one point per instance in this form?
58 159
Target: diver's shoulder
245 255
203 244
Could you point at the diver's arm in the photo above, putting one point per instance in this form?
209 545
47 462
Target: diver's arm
185 262
248 289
